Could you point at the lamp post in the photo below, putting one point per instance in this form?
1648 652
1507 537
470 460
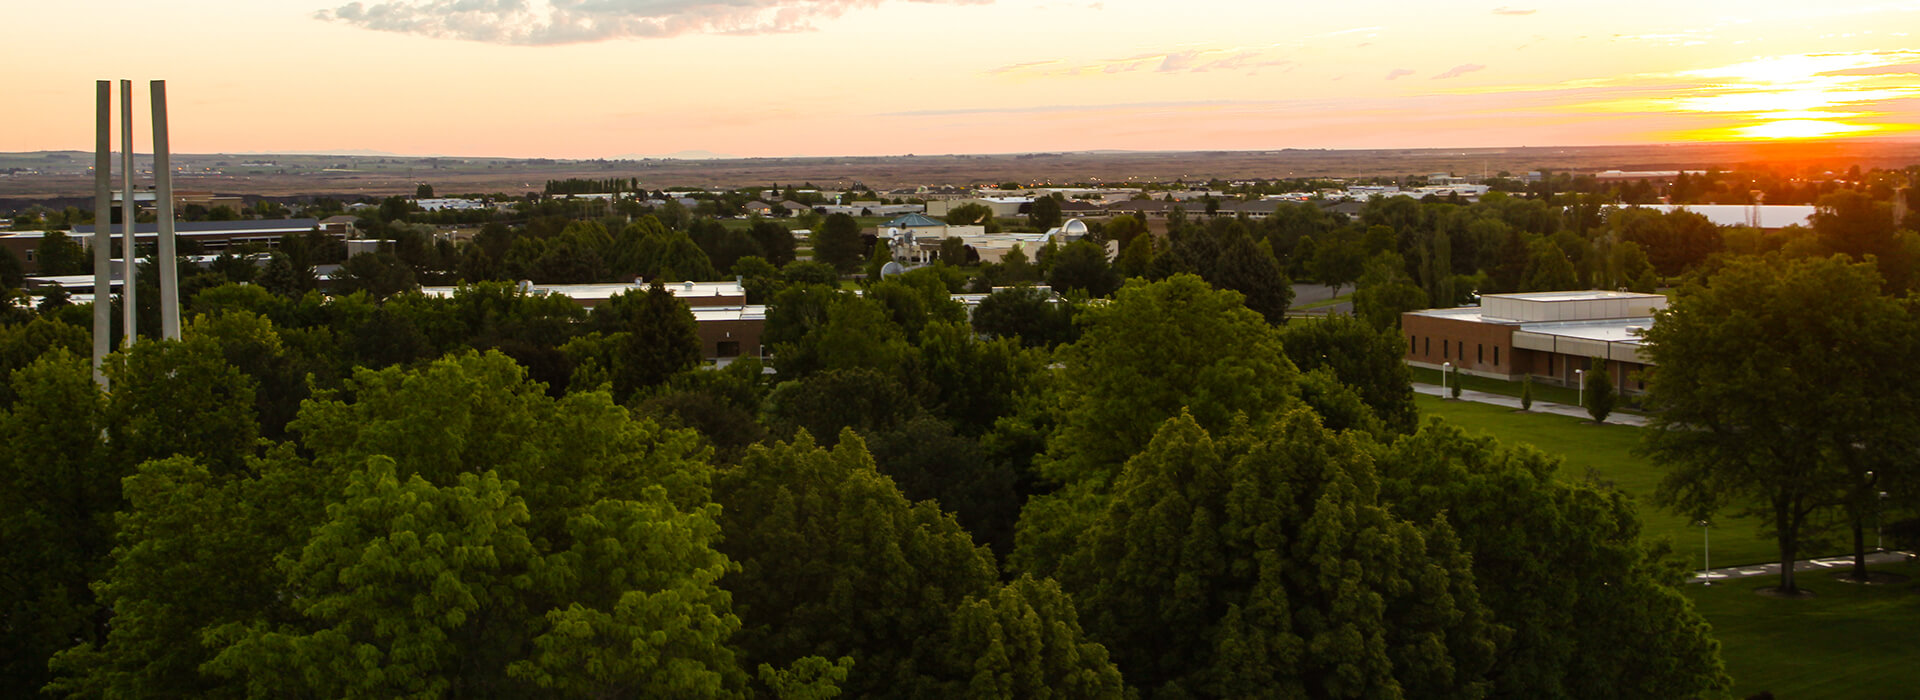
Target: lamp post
1580 378
1879 506
1446 368
1706 553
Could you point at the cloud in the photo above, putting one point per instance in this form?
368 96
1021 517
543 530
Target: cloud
1251 60
1398 73
551 22
1512 12
1459 70
1900 69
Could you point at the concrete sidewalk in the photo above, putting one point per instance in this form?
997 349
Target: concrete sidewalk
1538 405
1841 562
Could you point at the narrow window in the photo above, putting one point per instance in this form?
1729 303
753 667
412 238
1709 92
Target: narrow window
1496 356
1429 343
1479 353
1413 345
1446 349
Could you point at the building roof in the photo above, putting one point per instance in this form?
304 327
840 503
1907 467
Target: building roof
1767 216
194 227
696 294
915 220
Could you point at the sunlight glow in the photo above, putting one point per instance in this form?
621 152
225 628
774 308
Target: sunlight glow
1801 129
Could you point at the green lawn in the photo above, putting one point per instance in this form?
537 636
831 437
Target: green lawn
1605 451
1847 641
1324 303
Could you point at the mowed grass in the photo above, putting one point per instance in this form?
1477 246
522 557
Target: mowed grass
1847 641
1605 452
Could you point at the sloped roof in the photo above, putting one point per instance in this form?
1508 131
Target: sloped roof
914 220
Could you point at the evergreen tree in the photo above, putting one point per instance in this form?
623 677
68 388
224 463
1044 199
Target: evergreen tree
1252 566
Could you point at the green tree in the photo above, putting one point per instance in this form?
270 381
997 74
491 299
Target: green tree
1082 265
59 488
1591 608
1036 318
1526 393
1023 640
1361 357
1044 213
1386 291
953 251
970 214
379 274
662 338
424 191
1123 229
1213 357
1262 563
1251 269
446 531
60 255
1780 429
1549 270
837 243
1599 390
1338 263
834 562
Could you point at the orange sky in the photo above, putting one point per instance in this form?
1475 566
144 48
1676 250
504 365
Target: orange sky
607 78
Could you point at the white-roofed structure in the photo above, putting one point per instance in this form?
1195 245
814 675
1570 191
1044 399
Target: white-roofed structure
1551 336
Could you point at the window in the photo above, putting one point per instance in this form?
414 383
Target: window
1446 350
1496 356
1479 353
1413 345
727 348
1549 365
1428 341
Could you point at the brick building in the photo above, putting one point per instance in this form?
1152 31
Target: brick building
1550 336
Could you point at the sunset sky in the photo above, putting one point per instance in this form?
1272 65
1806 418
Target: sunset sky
606 78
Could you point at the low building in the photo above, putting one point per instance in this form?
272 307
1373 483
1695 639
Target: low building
209 236
728 326
1553 337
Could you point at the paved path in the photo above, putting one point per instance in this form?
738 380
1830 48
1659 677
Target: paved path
1538 405
1821 564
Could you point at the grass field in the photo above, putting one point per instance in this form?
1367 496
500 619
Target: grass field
1847 641
1606 452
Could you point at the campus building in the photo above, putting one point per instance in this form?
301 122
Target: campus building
728 326
1550 336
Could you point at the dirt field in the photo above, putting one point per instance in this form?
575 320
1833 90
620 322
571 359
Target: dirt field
62 175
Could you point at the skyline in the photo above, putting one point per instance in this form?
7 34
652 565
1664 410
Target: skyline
628 78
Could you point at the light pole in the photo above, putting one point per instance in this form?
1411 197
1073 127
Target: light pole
1879 506
1446 368
1580 377
1706 553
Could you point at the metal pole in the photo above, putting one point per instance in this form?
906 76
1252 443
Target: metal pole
163 197
1706 553
130 310
1580 377
102 227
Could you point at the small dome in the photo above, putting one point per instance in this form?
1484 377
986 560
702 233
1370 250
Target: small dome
892 269
1074 229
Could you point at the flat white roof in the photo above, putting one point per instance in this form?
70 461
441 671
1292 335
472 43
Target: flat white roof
604 291
750 312
1767 215
1617 330
1576 295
